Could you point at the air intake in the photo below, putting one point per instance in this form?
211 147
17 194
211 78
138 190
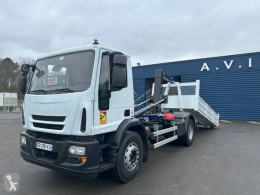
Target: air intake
83 121
49 118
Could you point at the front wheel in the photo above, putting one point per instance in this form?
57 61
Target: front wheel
187 138
130 157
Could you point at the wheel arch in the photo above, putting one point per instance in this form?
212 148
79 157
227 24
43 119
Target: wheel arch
143 134
186 116
133 124
193 119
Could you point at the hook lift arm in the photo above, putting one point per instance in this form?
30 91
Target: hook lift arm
158 97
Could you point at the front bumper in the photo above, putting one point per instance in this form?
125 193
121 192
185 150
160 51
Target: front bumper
59 158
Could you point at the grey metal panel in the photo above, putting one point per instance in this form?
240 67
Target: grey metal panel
234 95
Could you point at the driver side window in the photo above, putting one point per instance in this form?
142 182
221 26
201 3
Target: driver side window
104 84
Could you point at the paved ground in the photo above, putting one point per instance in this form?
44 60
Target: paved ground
221 161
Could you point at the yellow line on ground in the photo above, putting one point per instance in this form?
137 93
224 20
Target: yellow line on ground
253 122
226 121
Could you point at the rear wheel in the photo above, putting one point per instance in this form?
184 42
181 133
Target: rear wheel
130 157
187 138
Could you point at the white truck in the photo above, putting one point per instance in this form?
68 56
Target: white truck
79 114
8 100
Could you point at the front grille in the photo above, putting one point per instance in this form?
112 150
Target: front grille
48 126
49 118
57 137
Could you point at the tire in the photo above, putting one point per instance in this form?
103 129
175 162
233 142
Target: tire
188 137
130 157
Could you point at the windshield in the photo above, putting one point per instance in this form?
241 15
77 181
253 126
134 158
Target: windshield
63 74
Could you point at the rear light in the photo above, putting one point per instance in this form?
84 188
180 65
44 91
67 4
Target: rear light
169 116
83 121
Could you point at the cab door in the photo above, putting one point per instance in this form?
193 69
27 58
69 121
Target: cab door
111 106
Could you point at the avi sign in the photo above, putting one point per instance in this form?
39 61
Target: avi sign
227 64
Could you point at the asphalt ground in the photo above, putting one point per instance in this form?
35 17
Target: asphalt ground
225 160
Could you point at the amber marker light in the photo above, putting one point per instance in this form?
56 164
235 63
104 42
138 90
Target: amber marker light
83 159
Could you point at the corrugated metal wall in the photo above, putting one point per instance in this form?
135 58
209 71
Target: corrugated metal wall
139 90
235 95
234 92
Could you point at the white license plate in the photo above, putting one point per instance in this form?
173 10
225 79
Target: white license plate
44 146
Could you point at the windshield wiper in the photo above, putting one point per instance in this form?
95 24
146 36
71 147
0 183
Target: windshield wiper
63 90
39 91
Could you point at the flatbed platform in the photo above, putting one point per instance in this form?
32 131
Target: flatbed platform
185 97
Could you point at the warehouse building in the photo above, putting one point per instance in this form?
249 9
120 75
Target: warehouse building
229 84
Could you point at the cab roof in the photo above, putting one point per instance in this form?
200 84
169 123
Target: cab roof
77 49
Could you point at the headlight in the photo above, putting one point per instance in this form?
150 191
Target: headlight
23 140
77 150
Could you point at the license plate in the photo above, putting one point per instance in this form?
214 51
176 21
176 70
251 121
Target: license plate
44 146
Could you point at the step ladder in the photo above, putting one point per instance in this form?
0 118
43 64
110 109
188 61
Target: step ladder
159 132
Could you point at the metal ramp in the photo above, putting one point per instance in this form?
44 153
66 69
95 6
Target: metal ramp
185 97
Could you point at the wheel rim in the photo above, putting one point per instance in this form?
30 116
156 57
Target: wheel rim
131 156
191 132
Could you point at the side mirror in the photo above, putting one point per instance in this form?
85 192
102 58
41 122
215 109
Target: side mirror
23 80
119 77
25 69
40 73
120 60
23 83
